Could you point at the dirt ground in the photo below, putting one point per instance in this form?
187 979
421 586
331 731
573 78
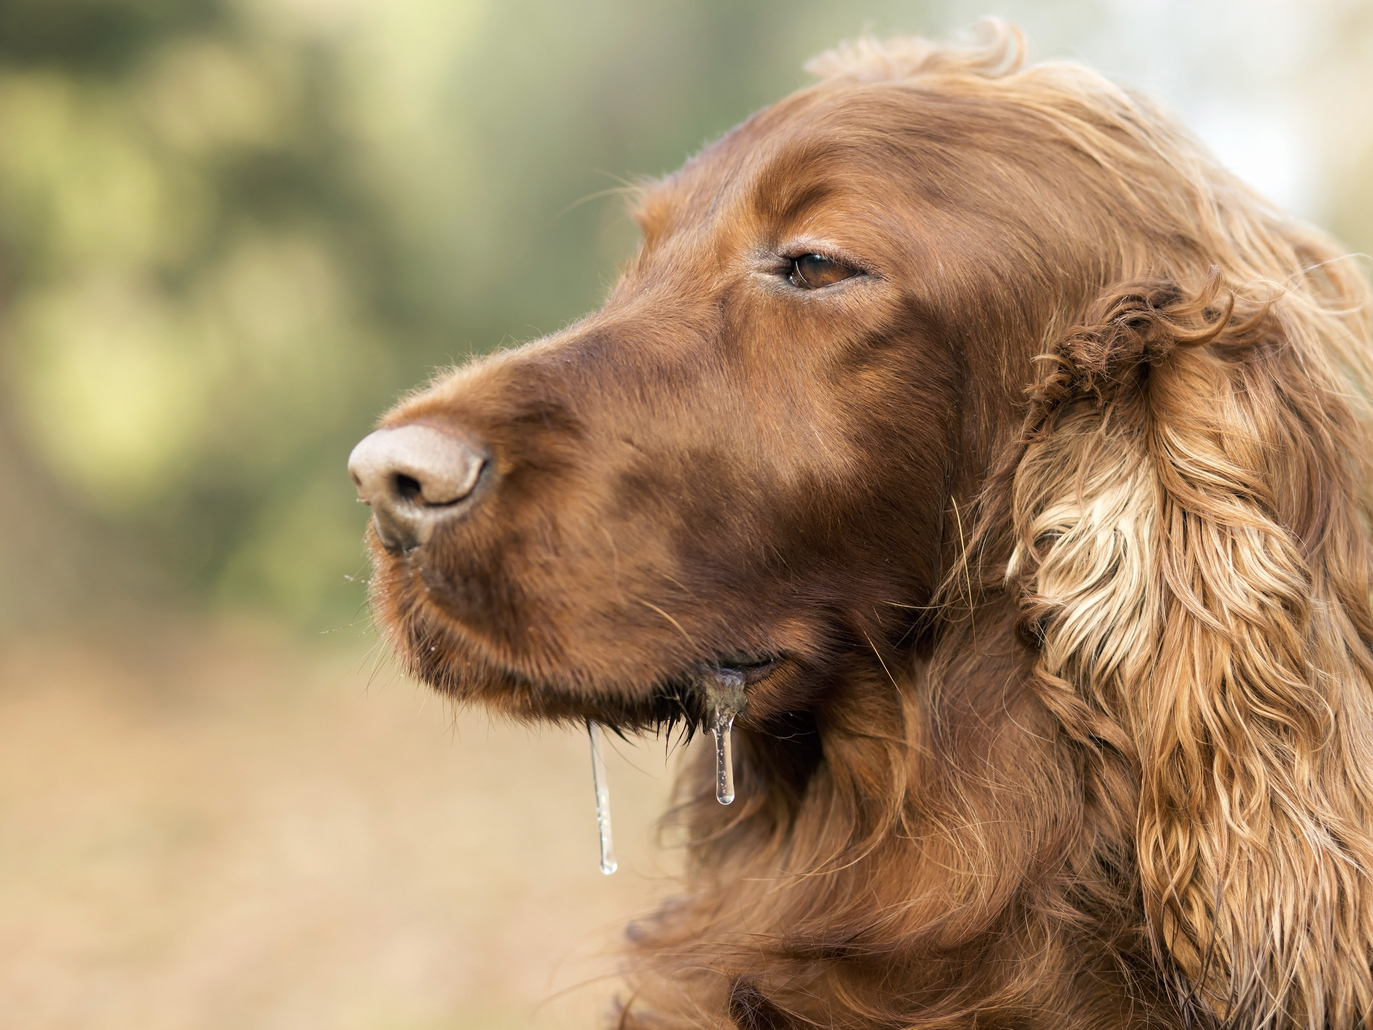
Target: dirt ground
220 828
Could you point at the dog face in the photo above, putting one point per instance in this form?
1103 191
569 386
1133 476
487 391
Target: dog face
746 456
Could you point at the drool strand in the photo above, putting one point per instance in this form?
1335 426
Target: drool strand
724 689
722 725
598 780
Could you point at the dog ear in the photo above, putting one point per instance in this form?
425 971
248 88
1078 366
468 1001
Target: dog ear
1193 558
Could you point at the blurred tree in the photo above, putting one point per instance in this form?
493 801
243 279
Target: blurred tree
94 36
190 267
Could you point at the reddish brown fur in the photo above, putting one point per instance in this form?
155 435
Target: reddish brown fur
1056 516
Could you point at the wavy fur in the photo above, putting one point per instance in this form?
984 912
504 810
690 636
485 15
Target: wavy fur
1193 555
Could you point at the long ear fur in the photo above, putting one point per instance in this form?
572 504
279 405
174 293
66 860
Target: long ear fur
1193 557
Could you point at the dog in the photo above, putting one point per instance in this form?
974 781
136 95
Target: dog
1011 459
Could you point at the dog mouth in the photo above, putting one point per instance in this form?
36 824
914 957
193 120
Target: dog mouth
748 669
766 689
560 668
690 701
680 698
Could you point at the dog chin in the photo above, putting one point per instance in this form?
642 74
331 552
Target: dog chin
441 654
444 656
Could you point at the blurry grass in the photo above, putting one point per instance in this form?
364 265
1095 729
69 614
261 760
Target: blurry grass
219 830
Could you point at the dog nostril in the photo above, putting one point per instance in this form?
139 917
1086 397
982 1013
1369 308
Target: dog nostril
413 477
409 488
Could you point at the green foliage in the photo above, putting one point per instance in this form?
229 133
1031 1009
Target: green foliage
93 36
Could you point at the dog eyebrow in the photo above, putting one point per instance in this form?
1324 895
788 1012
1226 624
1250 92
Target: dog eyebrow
783 185
788 201
805 173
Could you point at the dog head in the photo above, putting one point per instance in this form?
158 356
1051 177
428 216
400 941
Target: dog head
931 335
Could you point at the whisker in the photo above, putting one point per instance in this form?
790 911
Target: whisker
670 619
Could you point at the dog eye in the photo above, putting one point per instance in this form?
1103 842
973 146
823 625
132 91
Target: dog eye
812 271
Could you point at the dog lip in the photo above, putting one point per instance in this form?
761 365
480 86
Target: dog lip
751 667
654 701
683 697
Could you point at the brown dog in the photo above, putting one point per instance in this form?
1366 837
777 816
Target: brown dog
1014 456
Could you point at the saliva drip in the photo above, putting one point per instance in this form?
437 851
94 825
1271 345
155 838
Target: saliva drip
598 780
722 726
724 689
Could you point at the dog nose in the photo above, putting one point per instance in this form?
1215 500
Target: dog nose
414 478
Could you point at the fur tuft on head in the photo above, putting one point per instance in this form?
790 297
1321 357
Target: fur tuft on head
997 49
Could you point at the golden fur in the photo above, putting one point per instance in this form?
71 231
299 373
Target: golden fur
1057 518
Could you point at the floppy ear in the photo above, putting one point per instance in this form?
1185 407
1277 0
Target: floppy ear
1192 550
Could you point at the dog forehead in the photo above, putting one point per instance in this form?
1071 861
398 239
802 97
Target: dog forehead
821 143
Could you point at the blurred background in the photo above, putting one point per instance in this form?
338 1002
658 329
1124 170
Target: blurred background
231 233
